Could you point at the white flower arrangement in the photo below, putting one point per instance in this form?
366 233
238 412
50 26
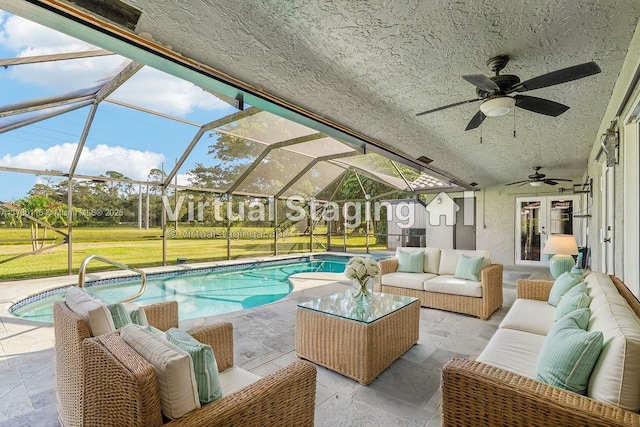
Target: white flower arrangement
361 269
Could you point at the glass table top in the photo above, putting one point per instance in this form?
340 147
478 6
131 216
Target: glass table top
343 304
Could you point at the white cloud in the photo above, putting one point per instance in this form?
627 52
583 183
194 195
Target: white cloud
167 94
183 179
27 38
134 164
149 88
23 36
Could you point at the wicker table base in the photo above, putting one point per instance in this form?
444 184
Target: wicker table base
358 350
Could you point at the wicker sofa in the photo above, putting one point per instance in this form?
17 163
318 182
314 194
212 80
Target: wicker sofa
436 286
499 387
101 381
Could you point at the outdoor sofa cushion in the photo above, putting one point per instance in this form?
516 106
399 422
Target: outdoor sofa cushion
173 366
94 312
407 280
616 377
529 315
448 284
235 378
513 350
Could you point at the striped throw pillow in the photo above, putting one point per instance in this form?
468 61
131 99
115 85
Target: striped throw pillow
410 262
136 312
204 364
574 299
561 285
469 268
568 355
581 317
119 315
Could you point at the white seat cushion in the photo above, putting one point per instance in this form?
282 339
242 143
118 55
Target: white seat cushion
528 315
234 379
451 285
406 280
514 351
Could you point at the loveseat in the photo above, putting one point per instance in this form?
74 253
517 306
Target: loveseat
503 386
102 381
435 282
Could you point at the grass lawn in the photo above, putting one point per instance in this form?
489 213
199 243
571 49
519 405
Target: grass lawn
143 248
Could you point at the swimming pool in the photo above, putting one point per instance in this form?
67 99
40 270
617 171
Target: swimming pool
199 292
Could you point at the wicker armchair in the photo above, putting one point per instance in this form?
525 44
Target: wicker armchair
102 381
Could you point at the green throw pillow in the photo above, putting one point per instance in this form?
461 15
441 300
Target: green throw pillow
119 315
568 355
137 315
562 284
410 262
204 364
573 299
469 268
581 316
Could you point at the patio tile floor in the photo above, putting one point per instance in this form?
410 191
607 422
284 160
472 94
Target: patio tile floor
406 394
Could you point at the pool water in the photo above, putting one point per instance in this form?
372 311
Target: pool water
206 292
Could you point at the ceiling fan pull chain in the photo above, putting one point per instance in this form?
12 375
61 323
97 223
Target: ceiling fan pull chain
480 133
514 122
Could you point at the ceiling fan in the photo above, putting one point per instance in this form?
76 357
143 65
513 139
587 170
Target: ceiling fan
537 179
494 91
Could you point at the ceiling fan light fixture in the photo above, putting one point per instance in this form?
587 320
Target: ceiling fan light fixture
536 183
499 106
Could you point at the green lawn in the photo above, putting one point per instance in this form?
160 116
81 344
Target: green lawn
143 248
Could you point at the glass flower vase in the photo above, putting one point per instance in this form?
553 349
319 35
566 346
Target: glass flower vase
361 292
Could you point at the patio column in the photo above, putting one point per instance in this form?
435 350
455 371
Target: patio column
229 210
275 227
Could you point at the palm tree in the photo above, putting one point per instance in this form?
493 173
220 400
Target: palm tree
47 211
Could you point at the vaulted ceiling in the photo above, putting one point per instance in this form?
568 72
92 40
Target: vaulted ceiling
372 66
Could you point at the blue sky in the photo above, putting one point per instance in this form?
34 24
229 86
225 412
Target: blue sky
121 139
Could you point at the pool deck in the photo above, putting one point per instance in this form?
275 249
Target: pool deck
407 393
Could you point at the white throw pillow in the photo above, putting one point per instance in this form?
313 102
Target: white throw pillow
173 367
94 312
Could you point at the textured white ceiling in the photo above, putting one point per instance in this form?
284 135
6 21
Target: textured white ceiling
372 65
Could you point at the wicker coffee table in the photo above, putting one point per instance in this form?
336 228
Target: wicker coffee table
357 341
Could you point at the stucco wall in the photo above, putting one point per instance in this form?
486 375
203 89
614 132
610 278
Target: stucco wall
495 224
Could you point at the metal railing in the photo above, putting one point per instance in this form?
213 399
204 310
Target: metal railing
83 268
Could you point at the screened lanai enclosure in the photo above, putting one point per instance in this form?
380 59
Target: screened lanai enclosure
100 154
